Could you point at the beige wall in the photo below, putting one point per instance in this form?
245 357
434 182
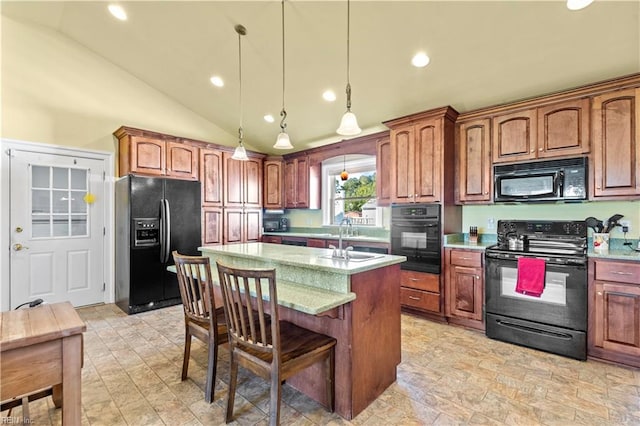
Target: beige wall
56 91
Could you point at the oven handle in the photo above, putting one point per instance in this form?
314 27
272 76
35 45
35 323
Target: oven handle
508 324
415 225
514 258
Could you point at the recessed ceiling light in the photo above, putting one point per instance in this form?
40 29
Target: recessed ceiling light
578 4
269 118
118 12
217 81
420 60
329 96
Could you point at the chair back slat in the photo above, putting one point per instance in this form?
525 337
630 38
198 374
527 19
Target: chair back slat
248 326
196 290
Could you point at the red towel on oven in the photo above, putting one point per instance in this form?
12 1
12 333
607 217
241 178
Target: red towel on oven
531 274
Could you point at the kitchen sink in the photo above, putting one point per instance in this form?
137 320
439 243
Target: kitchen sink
354 256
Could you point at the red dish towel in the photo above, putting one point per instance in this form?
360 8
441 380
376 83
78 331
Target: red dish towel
531 274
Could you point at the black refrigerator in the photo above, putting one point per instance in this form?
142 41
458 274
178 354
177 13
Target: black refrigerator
154 216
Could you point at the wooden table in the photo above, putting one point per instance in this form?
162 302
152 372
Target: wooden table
41 348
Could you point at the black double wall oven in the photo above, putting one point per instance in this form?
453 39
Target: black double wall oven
416 234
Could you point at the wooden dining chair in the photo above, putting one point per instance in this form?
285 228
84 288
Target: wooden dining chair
272 349
201 318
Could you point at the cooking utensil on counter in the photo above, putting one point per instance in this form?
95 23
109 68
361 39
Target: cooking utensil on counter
612 222
592 223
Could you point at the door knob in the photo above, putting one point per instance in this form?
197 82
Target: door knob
18 247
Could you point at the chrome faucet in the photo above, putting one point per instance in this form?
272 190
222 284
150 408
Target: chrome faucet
338 251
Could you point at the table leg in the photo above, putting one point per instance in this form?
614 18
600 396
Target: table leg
71 380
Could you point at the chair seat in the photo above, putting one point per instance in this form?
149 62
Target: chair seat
201 327
296 342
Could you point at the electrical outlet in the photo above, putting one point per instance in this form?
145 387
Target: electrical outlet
625 225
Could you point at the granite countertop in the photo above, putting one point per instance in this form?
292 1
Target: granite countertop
462 241
619 254
328 236
306 257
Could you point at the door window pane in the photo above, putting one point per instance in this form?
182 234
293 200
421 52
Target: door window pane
79 179
40 177
77 202
60 201
60 225
40 226
40 202
60 178
79 225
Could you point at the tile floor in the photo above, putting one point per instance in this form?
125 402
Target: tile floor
448 375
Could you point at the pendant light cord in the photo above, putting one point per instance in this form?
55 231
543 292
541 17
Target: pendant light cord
348 43
283 113
241 31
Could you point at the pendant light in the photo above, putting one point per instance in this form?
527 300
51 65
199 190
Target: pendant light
349 123
240 153
344 175
283 141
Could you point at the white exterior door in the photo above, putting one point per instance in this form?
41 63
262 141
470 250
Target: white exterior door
57 228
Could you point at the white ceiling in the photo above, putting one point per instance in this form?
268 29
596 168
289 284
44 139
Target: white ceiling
482 53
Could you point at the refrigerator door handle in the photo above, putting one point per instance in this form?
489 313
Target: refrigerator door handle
163 230
167 239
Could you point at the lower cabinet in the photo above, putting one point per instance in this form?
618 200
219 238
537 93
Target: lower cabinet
212 226
273 239
464 287
614 311
316 242
420 290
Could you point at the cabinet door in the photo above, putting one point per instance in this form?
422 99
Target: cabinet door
383 171
211 177
252 183
233 181
617 317
465 293
182 160
563 129
273 184
403 164
428 161
474 161
514 136
211 226
233 225
252 225
296 183
616 144
148 156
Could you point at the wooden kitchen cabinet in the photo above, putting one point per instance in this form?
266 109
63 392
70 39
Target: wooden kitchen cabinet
154 154
464 287
614 311
420 290
296 182
555 130
423 157
616 140
273 184
273 239
383 171
316 242
242 182
212 228
211 176
473 146
242 225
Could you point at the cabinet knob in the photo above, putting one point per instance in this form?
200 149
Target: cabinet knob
599 293
533 150
540 149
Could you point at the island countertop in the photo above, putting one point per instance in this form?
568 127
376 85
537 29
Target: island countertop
307 257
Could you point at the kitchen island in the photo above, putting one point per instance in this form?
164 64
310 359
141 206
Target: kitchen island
356 301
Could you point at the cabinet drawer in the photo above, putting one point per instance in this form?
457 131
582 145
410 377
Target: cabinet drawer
420 281
274 239
315 242
466 258
622 272
422 300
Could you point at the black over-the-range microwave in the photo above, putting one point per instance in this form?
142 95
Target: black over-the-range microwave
551 180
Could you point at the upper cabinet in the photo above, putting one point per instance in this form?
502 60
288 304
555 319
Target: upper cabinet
296 182
422 156
555 130
211 176
473 173
616 144
242 181
154 154
383 171
273 183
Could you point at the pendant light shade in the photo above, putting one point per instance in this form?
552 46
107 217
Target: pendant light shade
240 153
283 141
349 123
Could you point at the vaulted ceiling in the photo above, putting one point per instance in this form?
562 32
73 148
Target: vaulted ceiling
482 53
